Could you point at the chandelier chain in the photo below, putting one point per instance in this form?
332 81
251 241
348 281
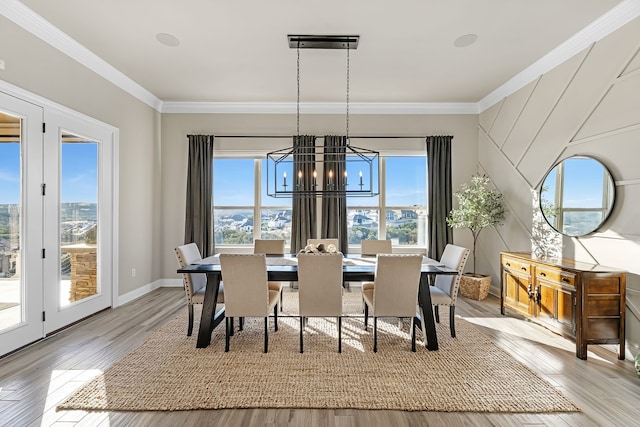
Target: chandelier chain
298 98
347 115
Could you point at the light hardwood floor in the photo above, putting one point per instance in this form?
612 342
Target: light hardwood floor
35 379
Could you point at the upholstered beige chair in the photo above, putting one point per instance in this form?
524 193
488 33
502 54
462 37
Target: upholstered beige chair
270 247
194 283
247 292
446 287
320 289
394 292
374 247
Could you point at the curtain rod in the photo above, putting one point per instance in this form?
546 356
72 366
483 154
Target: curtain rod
291 136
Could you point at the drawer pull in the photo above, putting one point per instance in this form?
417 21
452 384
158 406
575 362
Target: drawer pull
508 265
565 280
523 268
543 274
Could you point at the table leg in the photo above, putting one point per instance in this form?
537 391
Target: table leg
208 321
427 323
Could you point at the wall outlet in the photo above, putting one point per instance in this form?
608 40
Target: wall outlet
133 272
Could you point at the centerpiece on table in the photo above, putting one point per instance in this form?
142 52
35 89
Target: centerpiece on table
320 248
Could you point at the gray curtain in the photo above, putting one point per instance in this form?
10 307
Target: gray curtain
198 225
303 221
439 193
334 208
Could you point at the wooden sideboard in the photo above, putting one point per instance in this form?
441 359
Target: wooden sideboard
585 302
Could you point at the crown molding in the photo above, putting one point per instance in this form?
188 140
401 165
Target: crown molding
606 24
317 108
26 18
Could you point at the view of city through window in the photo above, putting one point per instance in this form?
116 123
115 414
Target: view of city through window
404 207
78 209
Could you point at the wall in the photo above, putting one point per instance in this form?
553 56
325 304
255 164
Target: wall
588 105
175 128
35 66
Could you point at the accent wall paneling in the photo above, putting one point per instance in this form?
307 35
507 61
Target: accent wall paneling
538 107
619 109
602 65
511 109
587 105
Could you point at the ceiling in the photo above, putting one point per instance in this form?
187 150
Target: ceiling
237 52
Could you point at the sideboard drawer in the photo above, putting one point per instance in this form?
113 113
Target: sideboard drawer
559 276
516 265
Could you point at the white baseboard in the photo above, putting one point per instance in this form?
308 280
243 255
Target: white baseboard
143 290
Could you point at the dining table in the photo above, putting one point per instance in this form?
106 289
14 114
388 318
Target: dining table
284 268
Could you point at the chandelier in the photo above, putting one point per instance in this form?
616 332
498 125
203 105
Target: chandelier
328 170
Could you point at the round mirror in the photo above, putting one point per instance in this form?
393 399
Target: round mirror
577 196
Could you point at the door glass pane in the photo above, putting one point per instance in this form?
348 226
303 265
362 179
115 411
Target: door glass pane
11 286
78 219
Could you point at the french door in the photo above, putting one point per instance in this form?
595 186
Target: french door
78 206
56 219
21 227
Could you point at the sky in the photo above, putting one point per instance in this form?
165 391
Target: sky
584 189
405 186
78 173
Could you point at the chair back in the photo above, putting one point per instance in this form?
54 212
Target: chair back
246 290
453 257
268 246
374 247
325 242
193 282
395 291
320 284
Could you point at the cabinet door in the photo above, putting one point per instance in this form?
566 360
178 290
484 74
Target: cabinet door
516 291
555 305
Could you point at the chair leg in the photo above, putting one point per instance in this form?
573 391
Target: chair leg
366 315
301 334
227 336
266 334
233 327
375 334
281 292
339 334
190 328
275 317
413 334
240 323
452 320
436 313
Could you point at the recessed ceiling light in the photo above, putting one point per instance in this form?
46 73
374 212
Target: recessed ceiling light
167 39
466 40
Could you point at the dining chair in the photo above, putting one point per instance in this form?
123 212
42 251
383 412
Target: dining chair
374 247
247 292
445 289
270 247
394 291
194 283
320 289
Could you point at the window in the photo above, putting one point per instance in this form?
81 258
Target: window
399 213
239 198
233 201
402 202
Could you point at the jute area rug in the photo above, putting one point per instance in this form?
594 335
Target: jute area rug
467 373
